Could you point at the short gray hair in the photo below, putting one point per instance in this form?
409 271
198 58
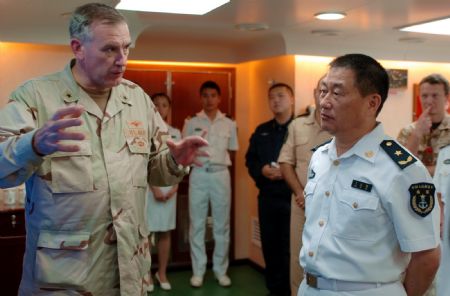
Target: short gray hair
85 15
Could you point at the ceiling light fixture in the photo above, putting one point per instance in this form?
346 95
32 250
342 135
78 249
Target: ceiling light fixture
330 16
439 27
197 7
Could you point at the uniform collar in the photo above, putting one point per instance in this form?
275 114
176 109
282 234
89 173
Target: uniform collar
366 148
276 124
445 124
72 92
219 115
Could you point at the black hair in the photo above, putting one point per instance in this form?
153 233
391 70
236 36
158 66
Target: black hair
210 84
370 76
281 84
161 94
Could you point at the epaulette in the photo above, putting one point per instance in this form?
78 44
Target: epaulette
307 113
320 145
398 154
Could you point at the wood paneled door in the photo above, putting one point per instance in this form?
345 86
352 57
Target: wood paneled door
182 84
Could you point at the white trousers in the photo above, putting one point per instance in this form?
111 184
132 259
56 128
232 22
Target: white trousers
392 289
204 188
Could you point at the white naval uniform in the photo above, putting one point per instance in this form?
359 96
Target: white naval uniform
211 183
161 216
364 234
442 182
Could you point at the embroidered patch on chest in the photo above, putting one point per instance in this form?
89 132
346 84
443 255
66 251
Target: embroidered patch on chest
136 136
422 198
362 186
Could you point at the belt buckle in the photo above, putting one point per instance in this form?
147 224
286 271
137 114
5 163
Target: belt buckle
311 280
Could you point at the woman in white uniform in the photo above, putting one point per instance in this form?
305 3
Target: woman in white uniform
161 205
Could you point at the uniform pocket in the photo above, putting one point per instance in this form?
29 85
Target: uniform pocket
138 164
302 152
62 260
220 139
358 216
72 171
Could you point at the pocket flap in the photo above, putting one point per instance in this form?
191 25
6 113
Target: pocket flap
85 150
309 188
359 201
63 240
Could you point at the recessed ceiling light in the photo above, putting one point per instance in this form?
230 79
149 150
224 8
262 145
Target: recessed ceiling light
252 27
439 27
197 7
330 16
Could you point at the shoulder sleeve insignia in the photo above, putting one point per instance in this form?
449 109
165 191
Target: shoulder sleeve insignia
422 198
320 145
398 154
362 186
311 174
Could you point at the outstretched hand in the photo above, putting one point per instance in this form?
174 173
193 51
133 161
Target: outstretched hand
47 139
186 151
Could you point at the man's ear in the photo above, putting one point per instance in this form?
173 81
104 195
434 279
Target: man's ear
77 48
374 102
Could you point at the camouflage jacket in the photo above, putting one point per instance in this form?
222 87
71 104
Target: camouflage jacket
85 211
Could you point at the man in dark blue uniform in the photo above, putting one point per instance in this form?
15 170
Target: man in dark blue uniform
274 199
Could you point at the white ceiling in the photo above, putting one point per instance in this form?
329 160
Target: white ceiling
370 27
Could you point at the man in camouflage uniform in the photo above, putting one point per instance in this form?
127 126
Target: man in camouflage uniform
431 131
304 133
426 136
86 142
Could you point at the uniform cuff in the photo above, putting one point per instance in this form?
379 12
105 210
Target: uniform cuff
178 169
25 151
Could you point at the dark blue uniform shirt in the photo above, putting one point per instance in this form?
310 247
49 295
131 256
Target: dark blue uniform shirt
264 148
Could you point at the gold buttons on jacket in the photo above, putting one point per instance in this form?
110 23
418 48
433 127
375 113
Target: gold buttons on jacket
336 162
327 193
355 205
310 254
321 223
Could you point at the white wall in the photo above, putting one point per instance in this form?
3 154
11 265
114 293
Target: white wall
20 62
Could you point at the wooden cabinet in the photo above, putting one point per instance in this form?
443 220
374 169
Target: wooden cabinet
12 245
